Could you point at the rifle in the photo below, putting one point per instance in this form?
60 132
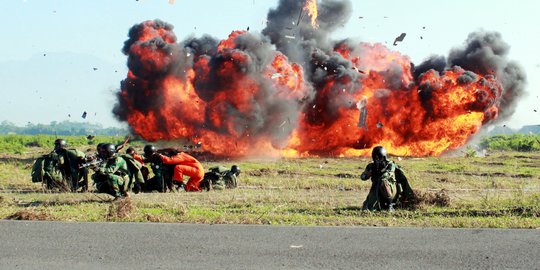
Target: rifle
92 163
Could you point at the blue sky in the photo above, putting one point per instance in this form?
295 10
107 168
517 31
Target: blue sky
61 58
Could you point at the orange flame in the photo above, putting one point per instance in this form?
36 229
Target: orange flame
311 8
239 102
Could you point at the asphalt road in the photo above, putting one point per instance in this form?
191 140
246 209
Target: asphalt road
58 245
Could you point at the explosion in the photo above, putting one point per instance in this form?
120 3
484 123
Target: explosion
292 91
311 8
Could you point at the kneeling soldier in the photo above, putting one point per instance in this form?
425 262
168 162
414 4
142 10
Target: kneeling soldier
112 174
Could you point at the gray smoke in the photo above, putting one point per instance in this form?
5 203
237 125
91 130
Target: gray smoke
484 53
297 38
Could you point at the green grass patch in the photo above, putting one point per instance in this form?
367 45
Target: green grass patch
500 190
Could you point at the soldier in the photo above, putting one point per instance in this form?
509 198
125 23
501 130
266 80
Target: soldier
231 177
220 177
68 162
162 179
389 183
183 163
112 175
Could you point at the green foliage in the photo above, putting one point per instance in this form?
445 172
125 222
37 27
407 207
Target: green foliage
61 129
18 144
515 142
470 152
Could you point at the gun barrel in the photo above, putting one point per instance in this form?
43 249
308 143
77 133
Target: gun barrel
91 163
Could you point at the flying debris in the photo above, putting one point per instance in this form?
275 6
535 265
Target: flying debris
360 71
243 87
95 69
300 15
399 38
361 105
84 115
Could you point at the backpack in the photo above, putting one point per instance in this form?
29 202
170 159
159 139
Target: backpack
134 168
46 169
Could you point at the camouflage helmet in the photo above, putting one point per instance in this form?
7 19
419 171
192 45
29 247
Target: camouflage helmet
149 150
130 150
235 169
108 150
379 153
60 144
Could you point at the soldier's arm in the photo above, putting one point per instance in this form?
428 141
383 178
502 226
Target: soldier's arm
367 172
180 158
170 160
113 167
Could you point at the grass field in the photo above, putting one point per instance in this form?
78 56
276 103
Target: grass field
501 190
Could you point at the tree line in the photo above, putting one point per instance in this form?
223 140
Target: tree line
64 128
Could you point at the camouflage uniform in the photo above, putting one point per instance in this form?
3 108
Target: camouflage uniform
389 184
112 176
68 162
134 170
219 178
162 179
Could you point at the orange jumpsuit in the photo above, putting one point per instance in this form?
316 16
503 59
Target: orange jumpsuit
186 165
138 158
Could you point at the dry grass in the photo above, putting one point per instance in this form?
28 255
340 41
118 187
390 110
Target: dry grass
423 199
30 214
501 190
120 209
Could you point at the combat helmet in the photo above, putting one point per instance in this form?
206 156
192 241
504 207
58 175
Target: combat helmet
378 154
149 150
235 169
108 150
60 144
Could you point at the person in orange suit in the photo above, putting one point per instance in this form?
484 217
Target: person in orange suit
184 164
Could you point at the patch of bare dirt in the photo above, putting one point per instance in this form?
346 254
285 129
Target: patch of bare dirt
30 214
483 174
261 172
346 175
424 198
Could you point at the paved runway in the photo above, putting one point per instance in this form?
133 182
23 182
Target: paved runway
58 245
